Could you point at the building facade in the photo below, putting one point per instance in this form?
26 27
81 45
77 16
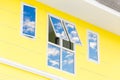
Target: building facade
38 42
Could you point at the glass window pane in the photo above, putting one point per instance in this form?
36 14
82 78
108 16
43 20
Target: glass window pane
29 19
68 61
58 28
93 46
73 35
52 37
53 56
68 45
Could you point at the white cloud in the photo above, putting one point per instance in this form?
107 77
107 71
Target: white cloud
29 29
69 54
70 25
54 63
62 35
73 33
95 39
74 36
59 25
68 61
92 36
75 39
93 45
53 51
69 58
58 34
29 23
65 62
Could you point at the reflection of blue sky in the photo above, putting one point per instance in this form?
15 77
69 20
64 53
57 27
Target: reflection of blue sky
72 33
58 28
53 56
93 47
29 20
68 61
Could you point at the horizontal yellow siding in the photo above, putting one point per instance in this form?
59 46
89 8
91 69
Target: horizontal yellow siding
33 52
10 73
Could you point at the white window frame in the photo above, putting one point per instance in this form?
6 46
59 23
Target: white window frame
21 19
61 48
89 59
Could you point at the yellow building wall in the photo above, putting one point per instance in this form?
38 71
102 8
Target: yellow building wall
33 52
11 73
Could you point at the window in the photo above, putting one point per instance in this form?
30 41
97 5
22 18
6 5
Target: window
61 50
52 36
68 61
93 49
28 21
68 44
57 27
72 33
53 56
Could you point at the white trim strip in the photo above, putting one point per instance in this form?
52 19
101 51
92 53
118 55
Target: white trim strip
103 7
29 69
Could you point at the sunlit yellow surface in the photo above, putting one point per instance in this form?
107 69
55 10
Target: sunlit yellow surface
33 52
